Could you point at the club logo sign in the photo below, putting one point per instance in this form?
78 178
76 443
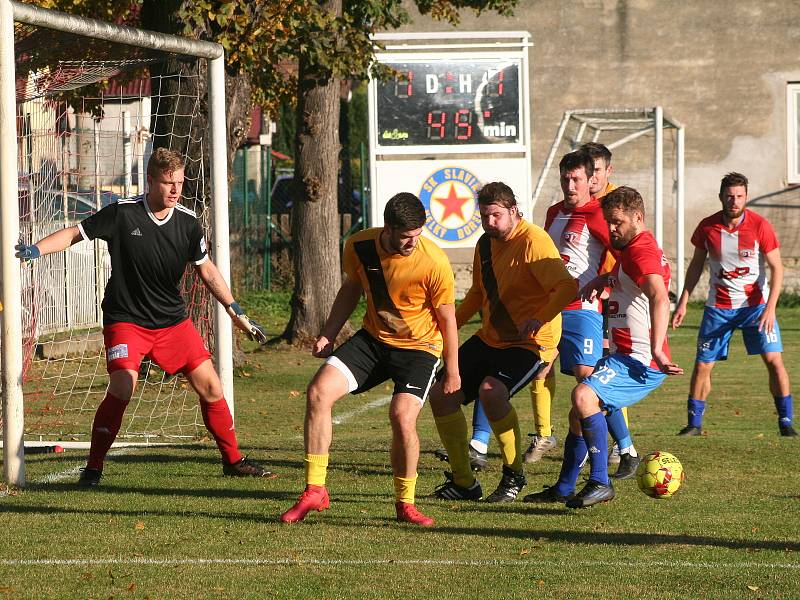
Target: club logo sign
450 197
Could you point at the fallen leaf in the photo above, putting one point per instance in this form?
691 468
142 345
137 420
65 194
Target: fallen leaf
752 588
132 587
139 525
524 551
294 394
6 590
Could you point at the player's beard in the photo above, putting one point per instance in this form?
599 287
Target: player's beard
732 213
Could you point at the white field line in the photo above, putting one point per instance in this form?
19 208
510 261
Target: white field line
344 417
534 563
73 472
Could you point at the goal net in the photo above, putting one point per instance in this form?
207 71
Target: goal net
647 155
88 114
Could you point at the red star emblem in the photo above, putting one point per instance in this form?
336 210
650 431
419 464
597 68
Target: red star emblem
453 204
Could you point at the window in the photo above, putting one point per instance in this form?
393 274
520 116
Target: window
793 132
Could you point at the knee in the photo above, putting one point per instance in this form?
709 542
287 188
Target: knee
317 396
402 422
492 392
584 401
121 385
774 361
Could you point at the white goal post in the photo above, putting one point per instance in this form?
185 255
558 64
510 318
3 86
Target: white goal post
12 14
648 154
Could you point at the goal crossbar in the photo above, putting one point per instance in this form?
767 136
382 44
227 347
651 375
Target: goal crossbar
11 356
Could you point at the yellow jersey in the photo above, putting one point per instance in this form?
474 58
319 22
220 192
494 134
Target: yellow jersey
527 280
402 291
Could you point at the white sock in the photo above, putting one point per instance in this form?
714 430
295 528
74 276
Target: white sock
479 446
629 450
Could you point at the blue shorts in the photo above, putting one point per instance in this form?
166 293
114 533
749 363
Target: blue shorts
581 339
619 380
717 328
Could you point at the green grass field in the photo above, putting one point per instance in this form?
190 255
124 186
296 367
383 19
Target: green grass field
166 524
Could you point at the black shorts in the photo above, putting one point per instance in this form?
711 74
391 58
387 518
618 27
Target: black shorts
515 367
366 362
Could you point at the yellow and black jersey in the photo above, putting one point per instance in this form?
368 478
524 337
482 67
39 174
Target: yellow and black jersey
402 291
515 280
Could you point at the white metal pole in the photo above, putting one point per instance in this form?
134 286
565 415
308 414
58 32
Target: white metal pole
223 348
11 336
527 110
127 153
658 192
550 156
679 211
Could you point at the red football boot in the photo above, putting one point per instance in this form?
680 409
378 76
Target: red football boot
314 497
408 513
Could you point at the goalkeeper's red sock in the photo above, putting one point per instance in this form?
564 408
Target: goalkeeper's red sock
107 421
218 420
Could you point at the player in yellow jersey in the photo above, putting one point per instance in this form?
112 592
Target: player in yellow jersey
520 284
410 322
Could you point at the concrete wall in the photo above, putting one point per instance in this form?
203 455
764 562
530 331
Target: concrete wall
720 67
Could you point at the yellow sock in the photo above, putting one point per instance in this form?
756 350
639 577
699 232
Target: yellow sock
404 488
625 414
316 468
506 430
542 393
453 431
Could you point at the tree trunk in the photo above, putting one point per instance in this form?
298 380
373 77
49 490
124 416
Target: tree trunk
315 223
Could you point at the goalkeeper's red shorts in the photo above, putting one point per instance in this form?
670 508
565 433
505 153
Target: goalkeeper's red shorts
176 349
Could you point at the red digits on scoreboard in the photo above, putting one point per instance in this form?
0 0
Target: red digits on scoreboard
402 86
463 124
436 124
462 118
495 86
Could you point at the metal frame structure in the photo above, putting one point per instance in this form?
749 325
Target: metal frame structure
11 335
428 47
639 121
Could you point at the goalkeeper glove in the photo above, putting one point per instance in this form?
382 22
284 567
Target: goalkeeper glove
24 252
253 330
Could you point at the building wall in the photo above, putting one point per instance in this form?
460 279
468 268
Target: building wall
720 67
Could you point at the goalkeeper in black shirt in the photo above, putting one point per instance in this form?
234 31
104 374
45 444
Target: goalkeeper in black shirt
150 239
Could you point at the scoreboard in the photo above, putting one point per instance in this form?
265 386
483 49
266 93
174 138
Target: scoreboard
453 117
450 102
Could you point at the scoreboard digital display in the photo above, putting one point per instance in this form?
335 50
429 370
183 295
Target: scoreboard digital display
453 102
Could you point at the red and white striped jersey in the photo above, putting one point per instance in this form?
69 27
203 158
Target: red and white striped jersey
628 306
581 237
736 259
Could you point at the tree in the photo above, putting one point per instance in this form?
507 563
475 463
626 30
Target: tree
335 46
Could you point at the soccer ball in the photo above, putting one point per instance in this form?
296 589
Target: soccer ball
660 475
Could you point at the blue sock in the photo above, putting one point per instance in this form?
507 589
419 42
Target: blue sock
481 430
695 409
785 410
618 428
574 457
595 432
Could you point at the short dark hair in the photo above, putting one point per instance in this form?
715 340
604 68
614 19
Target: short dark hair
497 192
732 180
625 198
597 150
575 160
404 212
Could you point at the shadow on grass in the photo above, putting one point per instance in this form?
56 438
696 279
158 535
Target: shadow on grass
625 539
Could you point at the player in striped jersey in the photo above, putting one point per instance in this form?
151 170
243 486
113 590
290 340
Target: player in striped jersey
600 186
639 360
739 245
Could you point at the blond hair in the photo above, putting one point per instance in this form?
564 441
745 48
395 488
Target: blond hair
163 160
